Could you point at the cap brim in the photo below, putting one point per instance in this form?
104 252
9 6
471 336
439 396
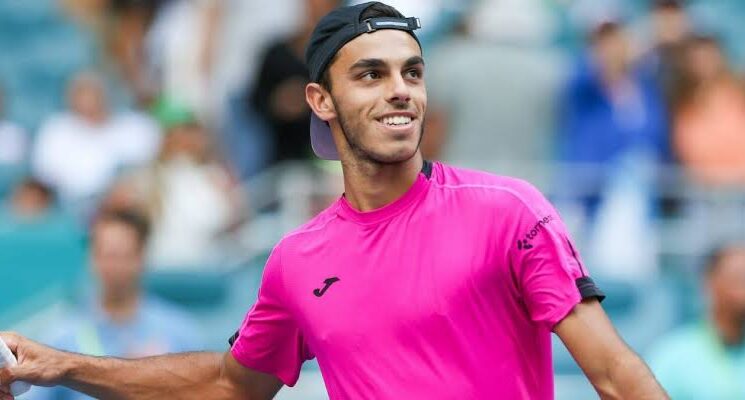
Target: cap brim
321 139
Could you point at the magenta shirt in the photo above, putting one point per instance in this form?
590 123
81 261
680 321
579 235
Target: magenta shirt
450 292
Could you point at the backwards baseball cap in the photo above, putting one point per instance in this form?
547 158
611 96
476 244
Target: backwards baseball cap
333 31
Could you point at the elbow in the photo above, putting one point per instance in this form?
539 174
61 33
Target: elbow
626 376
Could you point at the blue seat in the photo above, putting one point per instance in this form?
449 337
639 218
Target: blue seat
38 261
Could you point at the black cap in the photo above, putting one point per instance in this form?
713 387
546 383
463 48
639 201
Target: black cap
342 25
333 31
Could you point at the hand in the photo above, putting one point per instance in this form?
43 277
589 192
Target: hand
37 364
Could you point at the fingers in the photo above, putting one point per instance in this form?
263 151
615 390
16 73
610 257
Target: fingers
5 380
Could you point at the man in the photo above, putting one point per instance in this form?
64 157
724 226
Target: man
80 151
706 360
119 320
278 93
422 282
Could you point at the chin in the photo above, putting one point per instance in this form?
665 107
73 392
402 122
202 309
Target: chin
393 156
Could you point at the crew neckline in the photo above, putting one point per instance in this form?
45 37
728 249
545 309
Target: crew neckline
417 189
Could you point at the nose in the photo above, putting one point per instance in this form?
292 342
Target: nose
399 90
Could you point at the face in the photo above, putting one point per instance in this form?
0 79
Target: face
613 50
727 283
29 201
670 25
117 256
188 141
378 99
87 99
705 60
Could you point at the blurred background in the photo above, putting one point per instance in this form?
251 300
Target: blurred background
153 151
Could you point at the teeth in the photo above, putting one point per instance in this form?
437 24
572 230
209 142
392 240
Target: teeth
397 120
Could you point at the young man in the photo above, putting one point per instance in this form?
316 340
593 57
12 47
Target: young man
705 359
422 282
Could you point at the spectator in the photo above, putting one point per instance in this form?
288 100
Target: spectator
608 112
279 91
79 152
189 195
709 116
121 320
492 101
180 47
670 27
706 360
31 200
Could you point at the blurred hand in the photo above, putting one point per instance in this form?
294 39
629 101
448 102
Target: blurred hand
37 364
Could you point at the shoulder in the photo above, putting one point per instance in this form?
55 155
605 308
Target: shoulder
487 186
308 234
58 125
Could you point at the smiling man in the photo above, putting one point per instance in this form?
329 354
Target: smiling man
423 281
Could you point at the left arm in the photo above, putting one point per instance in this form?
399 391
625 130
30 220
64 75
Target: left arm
612 367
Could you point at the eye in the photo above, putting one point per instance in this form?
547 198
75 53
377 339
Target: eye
370 75
414 73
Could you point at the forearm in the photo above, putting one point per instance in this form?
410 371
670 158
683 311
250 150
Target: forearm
176 376
628 377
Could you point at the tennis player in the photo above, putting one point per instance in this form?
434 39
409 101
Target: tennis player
423 281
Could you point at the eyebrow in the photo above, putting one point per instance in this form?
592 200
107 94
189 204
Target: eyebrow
379 63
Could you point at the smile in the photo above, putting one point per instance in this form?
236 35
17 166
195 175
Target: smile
397 120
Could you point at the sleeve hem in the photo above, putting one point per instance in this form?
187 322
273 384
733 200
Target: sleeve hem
251 364
562 311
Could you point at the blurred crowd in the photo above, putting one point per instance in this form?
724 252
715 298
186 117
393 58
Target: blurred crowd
191 114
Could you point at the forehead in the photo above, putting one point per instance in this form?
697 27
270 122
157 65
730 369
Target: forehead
387 44
109 228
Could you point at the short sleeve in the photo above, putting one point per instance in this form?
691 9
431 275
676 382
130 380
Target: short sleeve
269 339
549 271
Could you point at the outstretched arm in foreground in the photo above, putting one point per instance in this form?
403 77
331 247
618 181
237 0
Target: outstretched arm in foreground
612 367
175 376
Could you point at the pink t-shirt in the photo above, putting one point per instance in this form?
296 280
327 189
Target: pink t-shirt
449 292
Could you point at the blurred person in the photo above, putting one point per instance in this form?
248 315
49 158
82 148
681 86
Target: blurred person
503 116
31 199
706 360
670 27
709 116
180 50
278 91
608 112
128 24
119 319
422 281
188 194
14 141
80 151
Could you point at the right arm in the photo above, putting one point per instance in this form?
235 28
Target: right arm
182 376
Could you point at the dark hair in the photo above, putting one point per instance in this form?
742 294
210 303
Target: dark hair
604 29
667 5
376 10
131 218
37 186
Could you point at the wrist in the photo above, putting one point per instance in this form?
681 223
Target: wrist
70 365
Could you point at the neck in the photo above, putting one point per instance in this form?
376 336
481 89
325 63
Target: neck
369 186
731 328
121 306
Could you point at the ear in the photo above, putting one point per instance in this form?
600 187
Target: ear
319 100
